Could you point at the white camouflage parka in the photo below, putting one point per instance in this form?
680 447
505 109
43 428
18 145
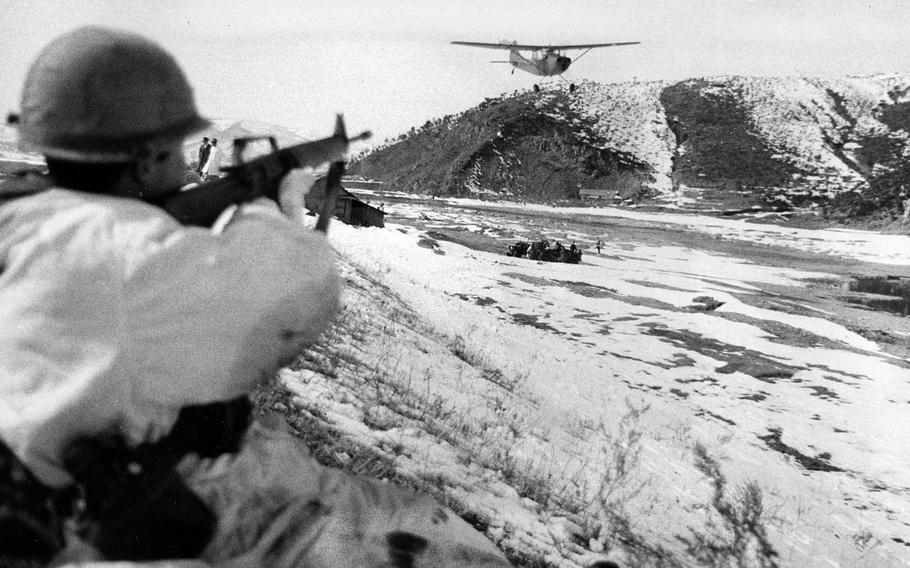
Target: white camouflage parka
114 314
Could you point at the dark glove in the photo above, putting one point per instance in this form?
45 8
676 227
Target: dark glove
136 507
210 430
30 529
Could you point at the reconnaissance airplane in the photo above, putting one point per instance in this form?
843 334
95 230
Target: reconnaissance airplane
544 60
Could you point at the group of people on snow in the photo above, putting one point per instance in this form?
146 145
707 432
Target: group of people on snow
543 250
130 345
209 157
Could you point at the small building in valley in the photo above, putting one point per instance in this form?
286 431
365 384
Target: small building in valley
585 193
348 208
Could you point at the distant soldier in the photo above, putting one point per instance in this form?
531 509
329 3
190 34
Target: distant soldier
203 157
574 254
599 244
213 158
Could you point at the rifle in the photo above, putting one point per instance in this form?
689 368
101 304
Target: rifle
260 177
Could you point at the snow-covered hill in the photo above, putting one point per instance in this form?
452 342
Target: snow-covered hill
629 117
746 141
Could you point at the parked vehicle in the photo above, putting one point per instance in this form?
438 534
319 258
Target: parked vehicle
542 250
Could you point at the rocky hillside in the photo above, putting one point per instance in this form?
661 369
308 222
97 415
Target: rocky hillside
729 141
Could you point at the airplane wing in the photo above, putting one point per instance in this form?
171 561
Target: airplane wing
512 46
588 45
491 45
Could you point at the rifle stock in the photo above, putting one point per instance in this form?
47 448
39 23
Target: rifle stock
259 177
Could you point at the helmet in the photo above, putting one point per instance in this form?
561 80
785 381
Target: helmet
99 95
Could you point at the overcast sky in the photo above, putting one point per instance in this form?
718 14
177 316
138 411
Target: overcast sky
388 65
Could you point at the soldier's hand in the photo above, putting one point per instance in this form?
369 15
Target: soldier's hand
292 190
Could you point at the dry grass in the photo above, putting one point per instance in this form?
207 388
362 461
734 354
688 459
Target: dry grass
366 401
736 534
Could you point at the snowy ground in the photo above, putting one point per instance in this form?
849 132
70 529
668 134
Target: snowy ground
559 405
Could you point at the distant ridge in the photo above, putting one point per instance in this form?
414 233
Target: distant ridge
729 141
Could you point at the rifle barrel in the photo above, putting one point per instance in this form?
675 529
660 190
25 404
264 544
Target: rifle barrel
259 177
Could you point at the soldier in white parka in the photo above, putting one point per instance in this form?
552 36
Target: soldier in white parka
129 345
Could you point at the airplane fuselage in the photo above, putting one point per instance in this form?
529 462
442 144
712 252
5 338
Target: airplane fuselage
545 64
